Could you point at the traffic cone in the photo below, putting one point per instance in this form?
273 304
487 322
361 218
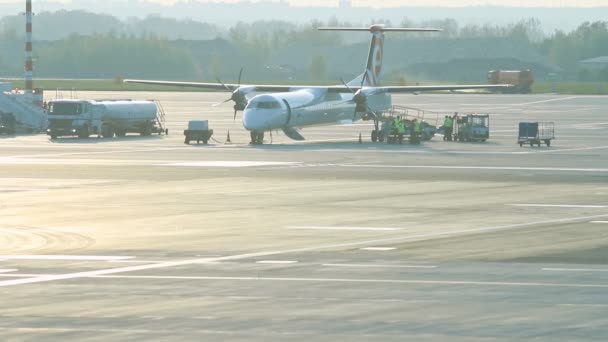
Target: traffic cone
228 138
360 141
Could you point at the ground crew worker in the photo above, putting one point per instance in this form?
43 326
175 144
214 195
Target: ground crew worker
400 131
396 124
415 130
448 126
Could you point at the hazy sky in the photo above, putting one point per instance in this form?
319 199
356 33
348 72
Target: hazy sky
396 3
450 3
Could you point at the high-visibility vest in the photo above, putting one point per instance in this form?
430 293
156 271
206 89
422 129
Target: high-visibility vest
449 123
401 127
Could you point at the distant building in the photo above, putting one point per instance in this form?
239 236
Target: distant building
345 4
598 63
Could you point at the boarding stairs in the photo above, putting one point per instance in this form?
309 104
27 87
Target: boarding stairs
30 118
160 116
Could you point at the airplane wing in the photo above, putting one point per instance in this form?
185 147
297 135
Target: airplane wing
415 89
332 89
232 87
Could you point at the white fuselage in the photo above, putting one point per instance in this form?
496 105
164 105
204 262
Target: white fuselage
298 108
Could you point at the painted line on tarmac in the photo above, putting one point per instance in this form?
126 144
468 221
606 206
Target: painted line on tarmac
8 270
603 222
545 101
558 206
65 257
114 151
395 239
575 269
276 262
134 261
231 163
22 189
380 266
379 249
572 149
489 168
344 228
368 281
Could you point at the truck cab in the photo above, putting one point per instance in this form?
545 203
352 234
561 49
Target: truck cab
72 117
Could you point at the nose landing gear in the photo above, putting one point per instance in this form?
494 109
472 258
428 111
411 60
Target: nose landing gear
257 137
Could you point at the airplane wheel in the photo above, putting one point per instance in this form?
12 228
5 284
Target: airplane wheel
107 131
257 138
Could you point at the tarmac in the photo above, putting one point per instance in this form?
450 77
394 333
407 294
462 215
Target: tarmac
328 240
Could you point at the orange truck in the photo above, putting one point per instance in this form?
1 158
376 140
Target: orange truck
521 79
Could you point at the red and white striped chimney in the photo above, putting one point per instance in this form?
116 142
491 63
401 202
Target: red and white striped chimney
29 65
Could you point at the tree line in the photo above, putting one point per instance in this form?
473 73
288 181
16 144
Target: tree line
276 50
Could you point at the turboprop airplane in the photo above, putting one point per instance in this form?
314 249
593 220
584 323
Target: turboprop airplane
291 107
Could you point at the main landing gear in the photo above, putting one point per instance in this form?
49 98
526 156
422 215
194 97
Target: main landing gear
377 135
257 138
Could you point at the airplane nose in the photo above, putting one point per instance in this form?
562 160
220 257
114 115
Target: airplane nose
252 120
263 120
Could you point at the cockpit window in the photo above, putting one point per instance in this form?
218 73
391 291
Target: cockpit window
267 105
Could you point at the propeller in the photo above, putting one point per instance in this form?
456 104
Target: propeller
240 101
359 98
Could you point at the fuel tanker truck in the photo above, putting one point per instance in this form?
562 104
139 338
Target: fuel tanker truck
521 80
105 118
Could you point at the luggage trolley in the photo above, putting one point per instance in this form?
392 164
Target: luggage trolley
535 133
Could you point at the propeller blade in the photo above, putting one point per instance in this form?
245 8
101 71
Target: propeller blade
234 118
220 103
346 85
223 84
240 74
363 79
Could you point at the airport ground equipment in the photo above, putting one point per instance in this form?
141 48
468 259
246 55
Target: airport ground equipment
387 133
536 133
472 127
198 130
521 80
106 118
26 109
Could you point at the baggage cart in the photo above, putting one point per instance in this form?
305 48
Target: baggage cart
536 133
198 131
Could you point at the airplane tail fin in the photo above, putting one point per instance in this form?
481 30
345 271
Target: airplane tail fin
373 71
